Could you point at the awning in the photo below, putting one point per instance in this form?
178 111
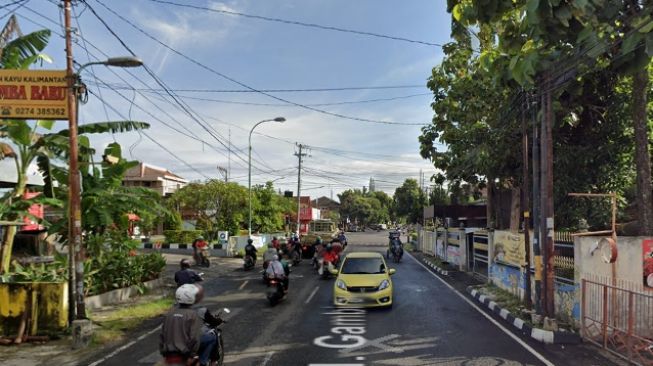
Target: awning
133 217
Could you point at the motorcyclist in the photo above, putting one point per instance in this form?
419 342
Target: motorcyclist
269 255
275 243
186 275
342 238
397 247
198 244
330 254
250 250
186 329
276 270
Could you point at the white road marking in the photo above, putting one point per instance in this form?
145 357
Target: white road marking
311 295
509 333
267 359
124 347
243 285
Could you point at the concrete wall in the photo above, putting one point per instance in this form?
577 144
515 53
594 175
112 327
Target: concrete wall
48 302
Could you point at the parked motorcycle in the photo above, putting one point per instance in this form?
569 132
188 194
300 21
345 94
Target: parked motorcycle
217 354
275 291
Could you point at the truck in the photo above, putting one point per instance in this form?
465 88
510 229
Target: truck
325 229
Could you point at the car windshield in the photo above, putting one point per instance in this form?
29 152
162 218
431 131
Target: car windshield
363 266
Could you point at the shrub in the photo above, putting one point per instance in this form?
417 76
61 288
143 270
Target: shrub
181 236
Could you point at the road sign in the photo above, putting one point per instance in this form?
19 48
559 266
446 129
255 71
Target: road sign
223 237
33 94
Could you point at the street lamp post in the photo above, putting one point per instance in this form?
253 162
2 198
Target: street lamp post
75 247
249 175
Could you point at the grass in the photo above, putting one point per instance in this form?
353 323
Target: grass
115 325
506 300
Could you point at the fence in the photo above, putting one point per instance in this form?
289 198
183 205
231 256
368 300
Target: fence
563 262
618 318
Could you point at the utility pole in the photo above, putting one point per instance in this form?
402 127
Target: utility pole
75 250
299 155
537 238
546 222
525 204
228 157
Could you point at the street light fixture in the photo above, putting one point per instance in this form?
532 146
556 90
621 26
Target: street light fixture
76 278
249 175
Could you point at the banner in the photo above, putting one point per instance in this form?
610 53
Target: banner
509 248
647 252
33 94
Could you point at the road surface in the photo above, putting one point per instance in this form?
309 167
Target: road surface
429 324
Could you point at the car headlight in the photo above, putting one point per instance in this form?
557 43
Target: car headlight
341 285
384 285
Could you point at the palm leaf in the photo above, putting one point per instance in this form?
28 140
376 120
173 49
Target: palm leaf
111 126
24 47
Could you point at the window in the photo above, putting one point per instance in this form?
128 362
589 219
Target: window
363 266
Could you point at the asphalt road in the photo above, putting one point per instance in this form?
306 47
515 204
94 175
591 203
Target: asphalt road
429 324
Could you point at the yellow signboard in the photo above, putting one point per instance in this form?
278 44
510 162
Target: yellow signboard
509 248
33 94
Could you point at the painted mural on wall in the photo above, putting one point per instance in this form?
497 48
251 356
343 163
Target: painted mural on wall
508 278
509 248
453 254
647 252
439 248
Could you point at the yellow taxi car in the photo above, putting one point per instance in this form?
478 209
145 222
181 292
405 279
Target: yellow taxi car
363 280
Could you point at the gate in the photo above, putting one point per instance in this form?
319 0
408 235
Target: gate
618 320
480 253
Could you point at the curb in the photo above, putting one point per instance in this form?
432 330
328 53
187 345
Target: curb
172 246
540 335
435 267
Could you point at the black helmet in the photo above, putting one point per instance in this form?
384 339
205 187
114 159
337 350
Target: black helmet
250 241
185 263
329 247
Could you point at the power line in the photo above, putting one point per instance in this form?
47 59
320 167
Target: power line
295 22
225 101
224 76
299 90
185 107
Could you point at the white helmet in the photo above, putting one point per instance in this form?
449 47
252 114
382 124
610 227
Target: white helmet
186 294
275 257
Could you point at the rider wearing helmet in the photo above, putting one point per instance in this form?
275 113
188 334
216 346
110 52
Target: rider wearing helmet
185 331
250 250
277 270
330 255
198 244
186 275
275 243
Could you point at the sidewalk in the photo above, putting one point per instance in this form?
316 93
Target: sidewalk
59 352
577 355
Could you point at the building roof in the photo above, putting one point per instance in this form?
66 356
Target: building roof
325 202
148 172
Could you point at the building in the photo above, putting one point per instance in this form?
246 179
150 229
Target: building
150 176
327 206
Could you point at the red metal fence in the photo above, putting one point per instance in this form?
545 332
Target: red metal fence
619 319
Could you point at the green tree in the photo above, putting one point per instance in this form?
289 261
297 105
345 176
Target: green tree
217 205
409 201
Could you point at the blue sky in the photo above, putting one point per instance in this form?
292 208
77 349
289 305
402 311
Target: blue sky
264 55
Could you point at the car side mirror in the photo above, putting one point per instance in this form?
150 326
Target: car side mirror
334 271
392 271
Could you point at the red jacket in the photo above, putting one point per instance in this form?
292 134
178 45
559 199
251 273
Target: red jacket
330 256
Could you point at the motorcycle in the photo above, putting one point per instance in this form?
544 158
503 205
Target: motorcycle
293 253
204 256
217 354
248 262
275 291
397 252
325 267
